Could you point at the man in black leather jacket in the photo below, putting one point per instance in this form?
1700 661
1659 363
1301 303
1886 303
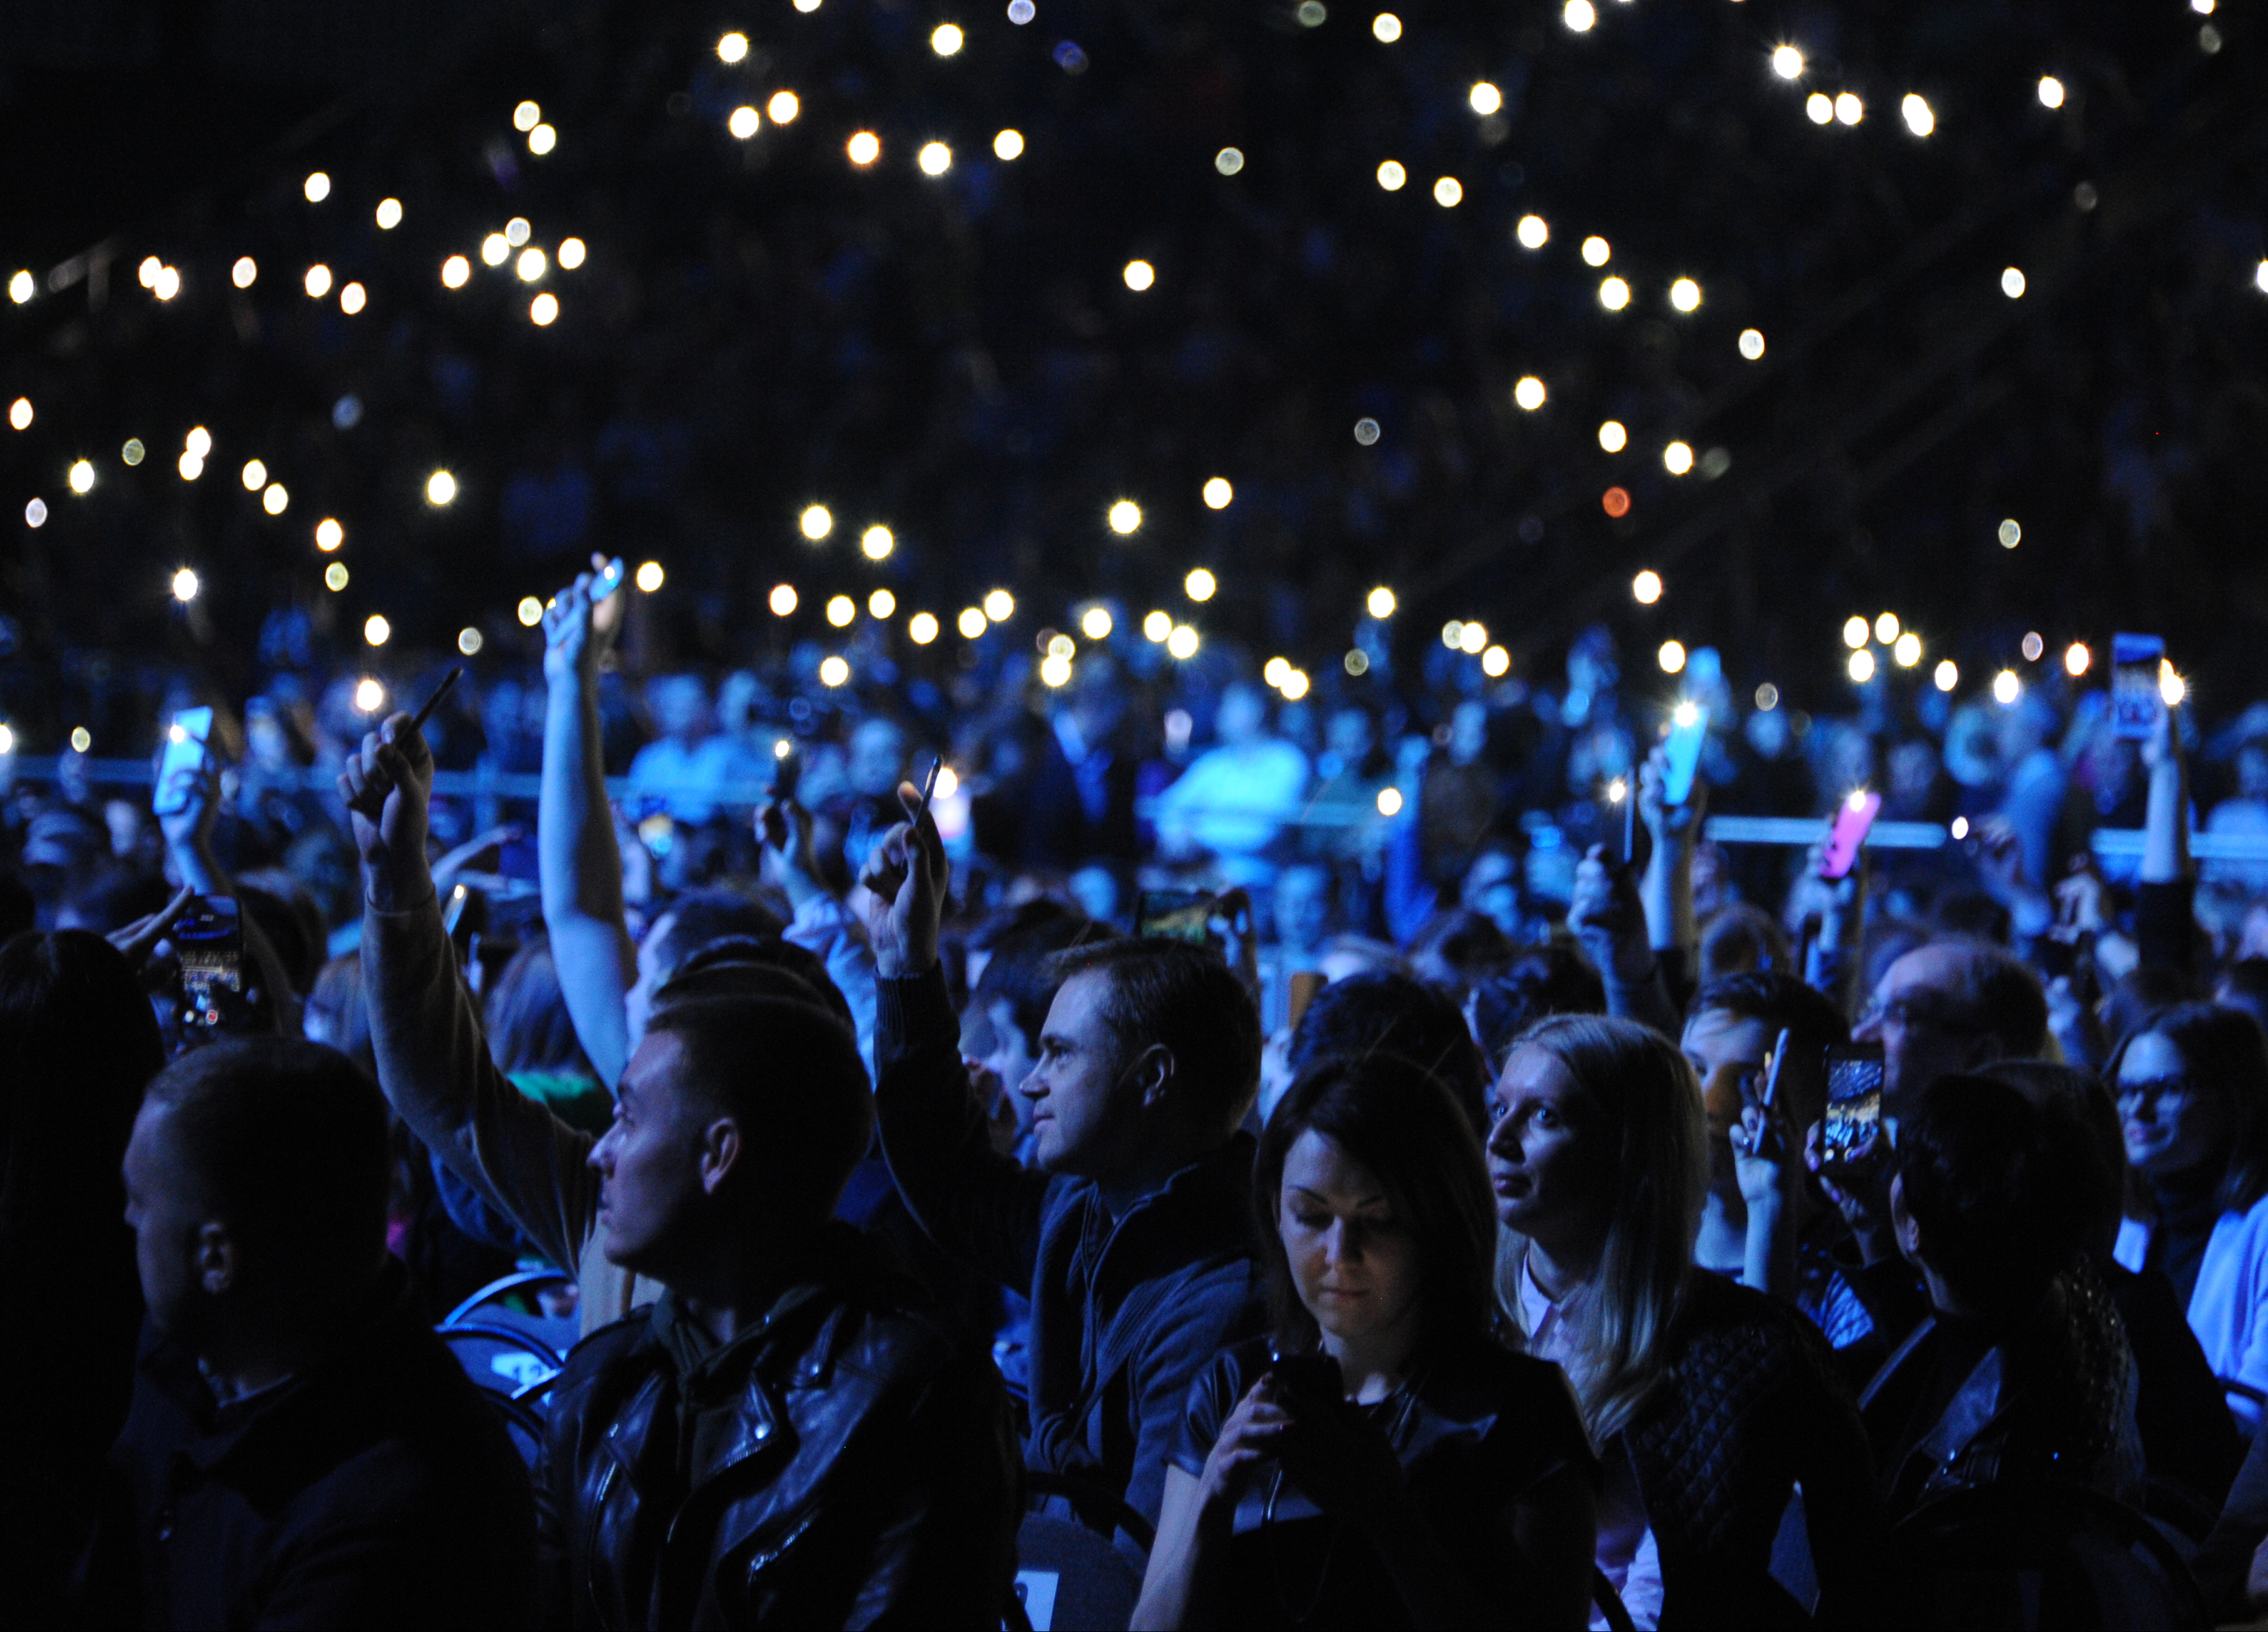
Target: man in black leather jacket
787 1437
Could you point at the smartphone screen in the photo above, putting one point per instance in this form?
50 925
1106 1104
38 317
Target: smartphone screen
1689 733
1855 1100
1175 914
1855 815
183 758
787 769
210 938
2135 701
609 580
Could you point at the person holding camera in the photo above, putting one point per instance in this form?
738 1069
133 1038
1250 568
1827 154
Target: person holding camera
1378 1459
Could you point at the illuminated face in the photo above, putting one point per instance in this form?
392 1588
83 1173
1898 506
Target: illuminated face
1552 1155
1912 1017
166 1215
648 1162
1085 1106
1353 1262
2173 1124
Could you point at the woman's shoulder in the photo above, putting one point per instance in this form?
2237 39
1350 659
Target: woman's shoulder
1506 1398
1224 1380
1723 1325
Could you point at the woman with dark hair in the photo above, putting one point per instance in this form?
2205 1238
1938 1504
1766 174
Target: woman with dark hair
2192 1087
1710 1402
78 1043
1380 1459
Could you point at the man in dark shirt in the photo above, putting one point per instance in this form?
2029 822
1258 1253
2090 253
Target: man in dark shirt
1134 1237
301 1450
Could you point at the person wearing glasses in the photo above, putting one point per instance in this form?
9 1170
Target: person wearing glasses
1951 1007
2192 1088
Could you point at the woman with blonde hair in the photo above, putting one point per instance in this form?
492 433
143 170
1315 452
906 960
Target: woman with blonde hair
1709 1402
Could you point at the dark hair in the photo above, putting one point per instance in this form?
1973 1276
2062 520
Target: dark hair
286 1141
116 898
529 1028
1379 1012
1039 918
19 910
1972 915
1743 938
1780 1000
2244 985
1543 981
2140 995
1989 1177
1402 1124
793 1071
740 964
2081 1098
1458 947
1185 998
699 916
2224 1052
1019 972
1995 994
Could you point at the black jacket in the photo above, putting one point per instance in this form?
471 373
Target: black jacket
865 1474
1125 1313
1750 1408
378 1489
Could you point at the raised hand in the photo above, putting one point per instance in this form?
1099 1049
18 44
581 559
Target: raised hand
385 786
904 879
140 938
1608 920
578 632
790 862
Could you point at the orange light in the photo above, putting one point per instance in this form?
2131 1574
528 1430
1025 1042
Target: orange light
1616 502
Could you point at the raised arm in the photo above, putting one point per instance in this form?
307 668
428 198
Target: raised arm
980 1206
1666 889
1610 924
580 865
433 1061
186 807
2165 925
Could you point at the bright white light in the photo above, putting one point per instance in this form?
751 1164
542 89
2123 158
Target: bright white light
1886 628
2050 90
329 536
1389 801
317 187
1787 61
1008 144
1218 494
1485 98
1274 671
1677 457
1200 584
971 623
1295 685
35 513
1391 176
1183 642
783 108
2033 646
744 122
1947 675
2076 658
1532 231
876 542
922 628
782 600
389 214
946 40
1125 516
166 284
185 586
7 739
273 499
1495 662
881 604
841 609
2012 533
527 115
1381 602
1614 294
1448 192
1752 343
816 522
1229 160
376 630
543 311
1646 587
999 606
190 466
1579 16
469 642
2007 687
833 671
353 299
1671 657
199 441
531 265
1452 635
731 49
1095 623
529 612
254 476
1855 632
2260 277
1862 667
571 252
541 140
496 249
1156 626
1685 295
20 288
440 487
1472 637
865 148
1612 437
2011 283
1596 251
1055 670
1386 27
650 576
1819 107
454 271
370 697
1918 117
1907 650
1019 11
2171 687
1529 392
1139 275
19 413
243 271
1849 109
318 281
334 580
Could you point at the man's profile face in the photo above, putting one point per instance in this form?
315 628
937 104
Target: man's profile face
1084 1104
1911 1017
648 1162
166 1213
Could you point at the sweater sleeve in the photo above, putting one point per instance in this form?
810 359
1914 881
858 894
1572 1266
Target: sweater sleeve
2165 925
978 1205
433 1063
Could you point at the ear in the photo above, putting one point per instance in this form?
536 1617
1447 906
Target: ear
215 1257
1903 1224
720 1152
1152 1073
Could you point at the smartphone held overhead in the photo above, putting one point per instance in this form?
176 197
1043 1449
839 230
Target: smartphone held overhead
1689 734
2137 670
183 759
1848 833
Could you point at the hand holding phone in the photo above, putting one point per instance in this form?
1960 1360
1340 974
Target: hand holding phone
1689 734
181 761
2136 668
1848 833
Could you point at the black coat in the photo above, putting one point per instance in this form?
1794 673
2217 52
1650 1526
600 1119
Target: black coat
868 1475
377 1488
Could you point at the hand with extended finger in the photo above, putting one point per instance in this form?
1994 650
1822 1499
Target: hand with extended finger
385 786
904 879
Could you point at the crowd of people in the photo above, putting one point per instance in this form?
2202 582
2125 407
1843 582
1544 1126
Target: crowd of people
1310 1155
